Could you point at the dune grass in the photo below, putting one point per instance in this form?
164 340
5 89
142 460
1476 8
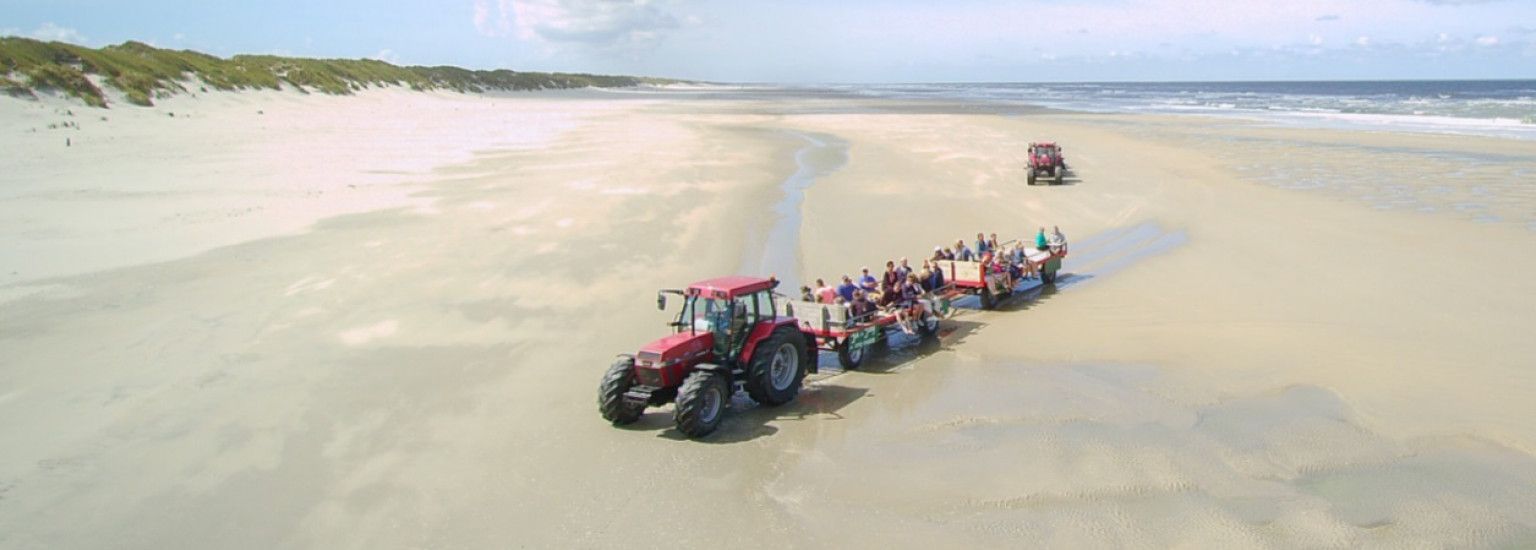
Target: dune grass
143 73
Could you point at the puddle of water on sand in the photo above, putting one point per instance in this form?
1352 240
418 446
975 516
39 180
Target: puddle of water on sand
779 252
1114 250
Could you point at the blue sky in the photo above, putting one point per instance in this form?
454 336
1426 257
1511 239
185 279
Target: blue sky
844 41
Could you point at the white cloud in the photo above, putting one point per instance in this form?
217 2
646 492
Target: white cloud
1487 40
1363 41
600 24
387 55
52 32
493 24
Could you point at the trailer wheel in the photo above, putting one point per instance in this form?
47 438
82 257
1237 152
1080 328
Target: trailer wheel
850 358
610 394
987 300
928 325
701 403
777 368
1048 277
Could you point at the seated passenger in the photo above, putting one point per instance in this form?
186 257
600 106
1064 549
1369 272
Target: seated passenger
824 294
908 308
890 283
925 274
982 246
806 295
845 291
962 253
938 253
868 282
861 308
993 244
1041 243
936 279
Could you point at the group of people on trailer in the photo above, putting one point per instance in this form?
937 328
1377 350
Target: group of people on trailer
901 287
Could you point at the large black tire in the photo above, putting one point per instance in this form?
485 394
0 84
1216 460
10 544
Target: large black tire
1058 174
987 300
610 394
1031 175
777 367
851 359
701 403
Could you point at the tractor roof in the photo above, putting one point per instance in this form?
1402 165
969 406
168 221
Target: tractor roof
729 287
1045 144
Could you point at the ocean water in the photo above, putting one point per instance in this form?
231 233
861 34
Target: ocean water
1502 108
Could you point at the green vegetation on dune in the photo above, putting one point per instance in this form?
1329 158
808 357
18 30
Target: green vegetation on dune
143 72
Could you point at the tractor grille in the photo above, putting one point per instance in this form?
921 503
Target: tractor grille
649 376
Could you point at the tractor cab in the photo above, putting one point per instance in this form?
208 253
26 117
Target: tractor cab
726 308
1045 153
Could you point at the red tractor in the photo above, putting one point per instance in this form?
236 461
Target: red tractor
1045 160
728 337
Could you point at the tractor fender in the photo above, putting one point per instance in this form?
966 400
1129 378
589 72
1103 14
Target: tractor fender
761 332
711 367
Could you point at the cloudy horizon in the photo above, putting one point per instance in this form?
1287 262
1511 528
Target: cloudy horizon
887 41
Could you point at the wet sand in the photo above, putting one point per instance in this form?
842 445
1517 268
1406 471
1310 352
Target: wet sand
1226 363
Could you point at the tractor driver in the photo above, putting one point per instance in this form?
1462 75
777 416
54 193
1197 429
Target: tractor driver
738 328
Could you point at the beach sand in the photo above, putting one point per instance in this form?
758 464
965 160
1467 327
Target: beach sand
379 321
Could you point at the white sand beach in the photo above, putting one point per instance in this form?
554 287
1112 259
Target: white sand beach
257 320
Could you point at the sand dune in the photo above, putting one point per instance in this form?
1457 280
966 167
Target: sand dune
1229 362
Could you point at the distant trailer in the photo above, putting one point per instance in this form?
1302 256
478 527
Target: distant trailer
993 281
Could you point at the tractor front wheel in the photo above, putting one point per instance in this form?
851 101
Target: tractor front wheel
610 394
1058 174
701 403
777 368
1031 175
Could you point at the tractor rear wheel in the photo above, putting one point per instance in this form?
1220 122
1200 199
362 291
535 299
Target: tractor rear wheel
850 358
777 368
701 403
610 394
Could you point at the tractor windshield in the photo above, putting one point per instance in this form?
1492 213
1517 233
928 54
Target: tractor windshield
702 314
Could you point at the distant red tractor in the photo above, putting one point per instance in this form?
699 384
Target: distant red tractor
728 337
1045 160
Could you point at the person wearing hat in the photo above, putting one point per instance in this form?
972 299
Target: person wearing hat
868 282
